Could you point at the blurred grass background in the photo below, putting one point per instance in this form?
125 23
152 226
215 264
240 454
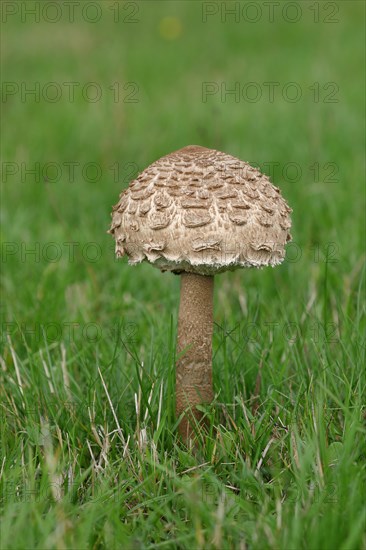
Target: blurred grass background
310 371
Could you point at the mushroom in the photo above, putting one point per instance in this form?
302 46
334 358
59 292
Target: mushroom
198 212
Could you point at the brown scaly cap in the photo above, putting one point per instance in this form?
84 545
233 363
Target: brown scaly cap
201 211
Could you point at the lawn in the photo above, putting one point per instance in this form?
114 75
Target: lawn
92 93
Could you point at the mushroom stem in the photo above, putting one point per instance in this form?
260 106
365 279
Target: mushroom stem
194 349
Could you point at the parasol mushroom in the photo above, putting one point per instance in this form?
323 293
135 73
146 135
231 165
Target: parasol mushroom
198 212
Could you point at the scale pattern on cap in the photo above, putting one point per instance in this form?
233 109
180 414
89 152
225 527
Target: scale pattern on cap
201 211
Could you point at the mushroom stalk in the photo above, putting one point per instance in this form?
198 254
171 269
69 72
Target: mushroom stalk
194 349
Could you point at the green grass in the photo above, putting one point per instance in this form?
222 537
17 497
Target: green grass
90 456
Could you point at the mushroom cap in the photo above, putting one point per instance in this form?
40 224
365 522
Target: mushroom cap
201 211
